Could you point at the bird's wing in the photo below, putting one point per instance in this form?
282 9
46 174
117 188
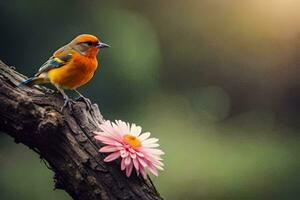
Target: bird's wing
59 59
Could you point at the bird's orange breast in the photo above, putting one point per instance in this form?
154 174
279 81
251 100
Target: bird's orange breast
75 73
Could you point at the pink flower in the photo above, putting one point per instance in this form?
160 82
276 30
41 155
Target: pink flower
136 149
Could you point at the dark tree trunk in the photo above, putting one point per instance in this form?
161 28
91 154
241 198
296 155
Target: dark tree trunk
65 140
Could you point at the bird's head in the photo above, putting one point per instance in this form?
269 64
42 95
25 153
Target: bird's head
87 45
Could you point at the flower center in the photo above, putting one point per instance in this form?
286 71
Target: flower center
132 140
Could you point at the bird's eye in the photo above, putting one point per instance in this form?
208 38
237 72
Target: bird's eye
89 43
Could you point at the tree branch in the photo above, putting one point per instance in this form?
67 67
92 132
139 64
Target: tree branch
65 140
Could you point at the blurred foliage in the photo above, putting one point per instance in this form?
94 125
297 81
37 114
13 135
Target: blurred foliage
216 81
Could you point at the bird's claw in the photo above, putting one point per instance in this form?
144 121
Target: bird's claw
67 104
86 101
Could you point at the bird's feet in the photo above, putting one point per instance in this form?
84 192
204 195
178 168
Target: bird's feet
87 102
67 104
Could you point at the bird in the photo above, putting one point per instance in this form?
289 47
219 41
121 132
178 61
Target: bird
70 67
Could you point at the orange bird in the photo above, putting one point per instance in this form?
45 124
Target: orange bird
70 67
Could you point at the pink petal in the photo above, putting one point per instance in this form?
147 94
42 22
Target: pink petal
118 144
108 149
153 170
150 156
123 164
153 159
129 170
155 151
124 153
127 160
133 155
139 154
106 140
120 148
144 136
102 138
150 140
136 164
112 136
151 145
98 132
118 129
112 143
107 127
157 162
135 130
124 128
131 150
112 156
142 162
142 170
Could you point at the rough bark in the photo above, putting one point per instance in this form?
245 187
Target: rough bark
65 140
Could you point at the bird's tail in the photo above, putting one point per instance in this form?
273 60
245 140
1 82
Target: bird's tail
32 81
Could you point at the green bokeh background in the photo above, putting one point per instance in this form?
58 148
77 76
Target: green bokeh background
216 81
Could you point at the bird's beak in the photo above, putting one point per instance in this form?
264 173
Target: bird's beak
102 45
